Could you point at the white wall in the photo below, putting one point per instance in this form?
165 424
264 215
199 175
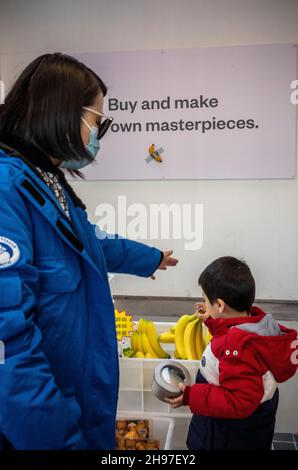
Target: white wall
256 220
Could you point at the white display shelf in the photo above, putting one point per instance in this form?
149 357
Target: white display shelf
136 374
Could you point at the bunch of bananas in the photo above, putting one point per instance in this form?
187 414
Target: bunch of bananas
144 342
187 335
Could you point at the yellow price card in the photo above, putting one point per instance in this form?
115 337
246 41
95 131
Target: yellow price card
124 324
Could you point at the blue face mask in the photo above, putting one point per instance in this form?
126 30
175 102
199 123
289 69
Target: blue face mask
92 147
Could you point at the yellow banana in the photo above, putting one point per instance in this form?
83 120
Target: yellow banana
147 348
151 148
199 340
207 337
133 341
139 354
176 354
151 334
149 356
166 337
173 329
190 340
179 333
139 343
142 325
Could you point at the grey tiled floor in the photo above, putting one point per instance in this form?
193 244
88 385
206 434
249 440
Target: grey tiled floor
285 441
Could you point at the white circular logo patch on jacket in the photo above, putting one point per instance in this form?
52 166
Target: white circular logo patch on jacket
9 253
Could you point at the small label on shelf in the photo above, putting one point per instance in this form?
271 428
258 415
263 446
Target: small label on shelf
124 324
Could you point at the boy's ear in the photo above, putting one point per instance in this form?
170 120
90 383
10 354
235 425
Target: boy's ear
221 305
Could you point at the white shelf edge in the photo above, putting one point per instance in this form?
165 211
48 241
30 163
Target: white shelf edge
156 413
135 390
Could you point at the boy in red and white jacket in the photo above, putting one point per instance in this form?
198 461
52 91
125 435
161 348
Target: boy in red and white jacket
235 398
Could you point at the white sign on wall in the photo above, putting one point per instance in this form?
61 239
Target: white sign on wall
207 113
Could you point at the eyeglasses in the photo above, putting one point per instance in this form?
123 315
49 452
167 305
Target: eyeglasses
104 125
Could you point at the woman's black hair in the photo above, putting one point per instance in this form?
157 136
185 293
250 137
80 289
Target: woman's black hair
229 279
45 105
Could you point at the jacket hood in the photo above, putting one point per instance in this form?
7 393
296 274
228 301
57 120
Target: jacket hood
273 343
18 157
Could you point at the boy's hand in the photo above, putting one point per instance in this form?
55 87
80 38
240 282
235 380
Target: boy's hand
201 312
178 401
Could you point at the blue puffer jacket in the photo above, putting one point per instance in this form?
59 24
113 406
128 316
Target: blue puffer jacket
59 382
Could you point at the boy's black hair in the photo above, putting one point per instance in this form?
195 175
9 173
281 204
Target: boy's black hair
229 279
45 106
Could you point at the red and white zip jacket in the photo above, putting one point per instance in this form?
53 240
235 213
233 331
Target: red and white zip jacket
242 364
